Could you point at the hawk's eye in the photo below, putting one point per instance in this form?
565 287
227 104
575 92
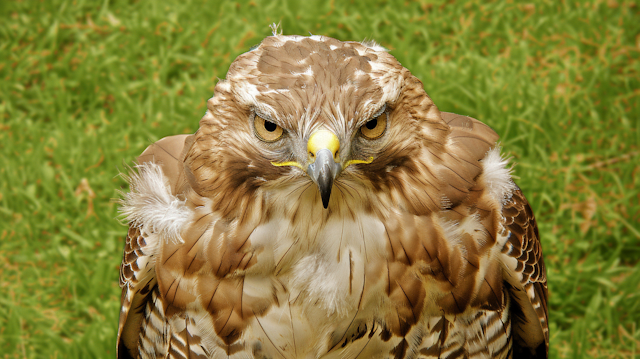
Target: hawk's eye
375 127
267 130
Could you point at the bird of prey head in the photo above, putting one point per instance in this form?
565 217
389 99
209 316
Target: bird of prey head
343 115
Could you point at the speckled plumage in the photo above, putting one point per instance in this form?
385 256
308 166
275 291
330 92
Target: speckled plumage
426 248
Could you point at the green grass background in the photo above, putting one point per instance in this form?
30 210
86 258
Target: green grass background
85 86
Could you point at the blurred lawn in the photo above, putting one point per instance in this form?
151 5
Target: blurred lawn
85 86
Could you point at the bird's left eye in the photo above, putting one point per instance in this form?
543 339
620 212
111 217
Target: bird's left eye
267 130
375 127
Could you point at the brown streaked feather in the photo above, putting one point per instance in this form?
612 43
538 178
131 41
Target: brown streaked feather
529 294
483 334
153 340
169 153
137 284
184 343
127 275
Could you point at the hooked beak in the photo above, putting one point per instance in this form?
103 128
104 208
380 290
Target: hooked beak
323 166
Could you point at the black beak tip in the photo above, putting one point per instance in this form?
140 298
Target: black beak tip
325 199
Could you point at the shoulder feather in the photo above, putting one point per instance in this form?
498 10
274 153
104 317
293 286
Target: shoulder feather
155 214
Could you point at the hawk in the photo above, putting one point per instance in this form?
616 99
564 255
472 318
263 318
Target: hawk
325 208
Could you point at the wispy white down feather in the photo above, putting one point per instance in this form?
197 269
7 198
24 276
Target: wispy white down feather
497 176
374 45
151 206
324 282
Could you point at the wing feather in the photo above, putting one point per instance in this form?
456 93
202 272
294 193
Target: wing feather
137 280
526 279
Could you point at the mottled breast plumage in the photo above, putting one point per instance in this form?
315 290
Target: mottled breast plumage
326 208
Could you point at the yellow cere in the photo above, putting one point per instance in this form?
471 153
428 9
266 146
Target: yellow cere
319 140
323 139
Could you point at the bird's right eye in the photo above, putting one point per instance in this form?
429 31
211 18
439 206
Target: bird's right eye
266 130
